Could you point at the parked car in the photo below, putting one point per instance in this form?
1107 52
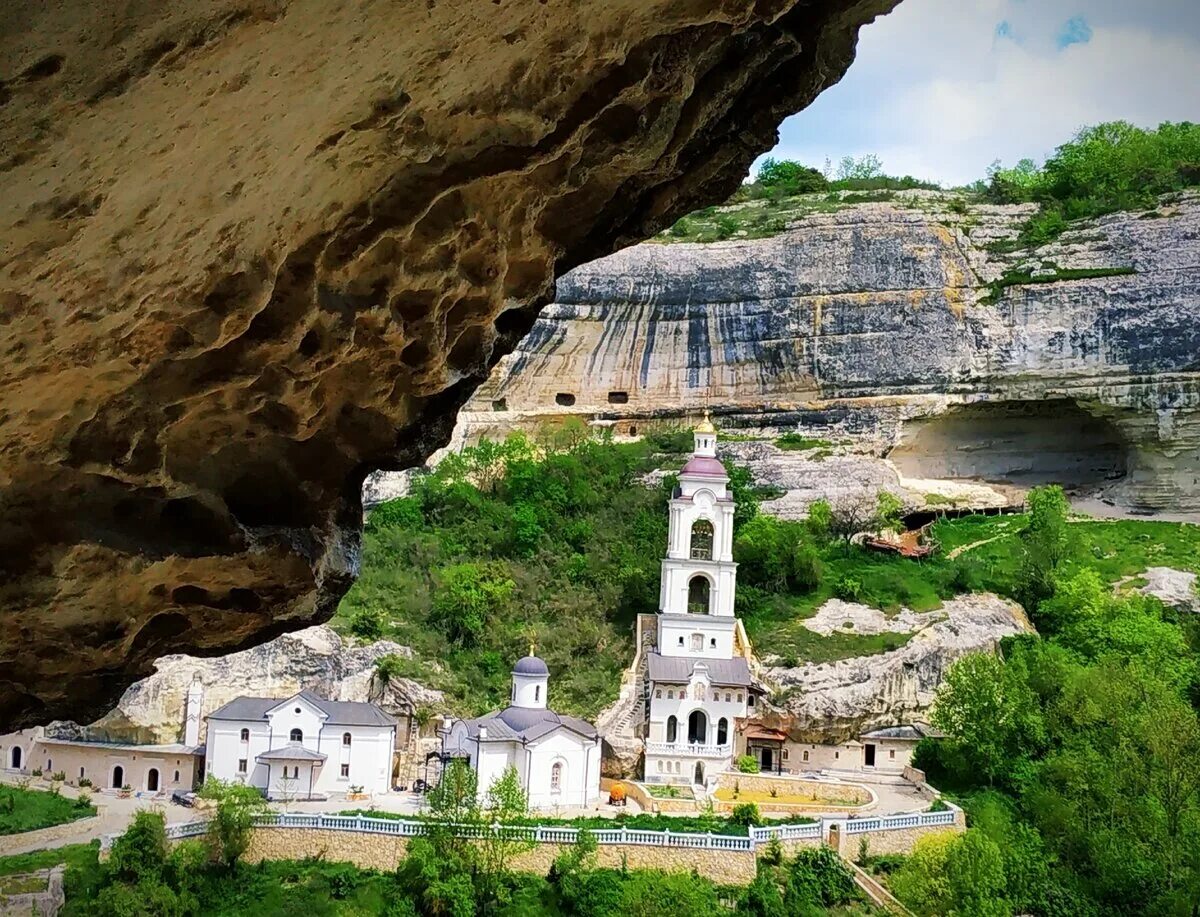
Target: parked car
184 798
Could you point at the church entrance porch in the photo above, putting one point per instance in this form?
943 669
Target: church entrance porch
766 747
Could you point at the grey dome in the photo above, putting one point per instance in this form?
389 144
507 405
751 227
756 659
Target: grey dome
530 665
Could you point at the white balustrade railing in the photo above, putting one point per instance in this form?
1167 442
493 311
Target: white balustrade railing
689 750
557 834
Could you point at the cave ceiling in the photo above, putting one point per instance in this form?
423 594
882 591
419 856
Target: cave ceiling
251 250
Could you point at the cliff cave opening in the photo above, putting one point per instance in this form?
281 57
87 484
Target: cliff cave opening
1024 443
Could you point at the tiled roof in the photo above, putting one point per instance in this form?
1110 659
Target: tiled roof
678 669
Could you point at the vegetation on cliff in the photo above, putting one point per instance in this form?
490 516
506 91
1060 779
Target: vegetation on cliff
559 542
1104 169
1074 753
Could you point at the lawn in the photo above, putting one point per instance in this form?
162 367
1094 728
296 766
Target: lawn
79 855
27 810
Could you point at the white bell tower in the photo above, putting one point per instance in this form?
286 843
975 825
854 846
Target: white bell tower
698 574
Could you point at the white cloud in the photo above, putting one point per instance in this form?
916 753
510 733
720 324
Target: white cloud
937 93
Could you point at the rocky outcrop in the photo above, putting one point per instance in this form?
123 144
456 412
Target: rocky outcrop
251 250
316 658
1174 588
837 701
904 328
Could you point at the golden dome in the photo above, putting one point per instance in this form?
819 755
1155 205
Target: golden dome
705 426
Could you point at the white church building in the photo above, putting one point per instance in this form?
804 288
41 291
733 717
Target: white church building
301 747
556 756
697 679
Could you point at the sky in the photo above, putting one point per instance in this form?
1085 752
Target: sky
942 88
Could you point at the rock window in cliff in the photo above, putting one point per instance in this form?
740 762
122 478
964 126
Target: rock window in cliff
618 397
702 540
500 404
564 399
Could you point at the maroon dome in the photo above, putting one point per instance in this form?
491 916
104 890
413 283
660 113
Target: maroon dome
703 464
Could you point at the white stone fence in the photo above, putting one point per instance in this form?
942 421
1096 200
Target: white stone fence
554 834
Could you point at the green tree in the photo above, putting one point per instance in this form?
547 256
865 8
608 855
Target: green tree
820 520
506 805
467 597
1046 543
232 820
990 716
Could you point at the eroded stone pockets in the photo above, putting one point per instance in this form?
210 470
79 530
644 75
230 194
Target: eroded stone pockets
1024 443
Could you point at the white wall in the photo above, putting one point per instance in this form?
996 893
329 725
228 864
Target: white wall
369 754
671 627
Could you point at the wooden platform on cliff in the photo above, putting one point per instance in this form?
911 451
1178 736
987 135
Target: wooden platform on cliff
915 545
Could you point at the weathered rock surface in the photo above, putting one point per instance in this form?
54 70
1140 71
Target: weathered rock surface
316 658
251 250
878 323
837 701
1174 588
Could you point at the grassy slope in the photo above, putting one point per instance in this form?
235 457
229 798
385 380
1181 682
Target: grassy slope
1115 549
35 809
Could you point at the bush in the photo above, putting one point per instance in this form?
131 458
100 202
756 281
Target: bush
848 589
747 814
367 624
84 781
818 877
747 764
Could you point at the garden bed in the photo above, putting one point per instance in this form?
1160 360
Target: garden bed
28 810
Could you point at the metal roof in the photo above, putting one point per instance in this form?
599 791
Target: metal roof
337 712
290 753
527 724
678 669
530 665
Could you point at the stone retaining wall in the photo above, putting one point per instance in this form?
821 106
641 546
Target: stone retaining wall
385 852
895 841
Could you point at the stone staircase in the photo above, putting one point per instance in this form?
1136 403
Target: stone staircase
623 724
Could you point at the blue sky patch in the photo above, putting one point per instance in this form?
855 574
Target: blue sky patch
1075 31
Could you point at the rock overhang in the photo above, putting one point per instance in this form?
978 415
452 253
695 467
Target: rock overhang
253 250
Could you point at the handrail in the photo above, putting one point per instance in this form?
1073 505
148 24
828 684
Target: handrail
562 834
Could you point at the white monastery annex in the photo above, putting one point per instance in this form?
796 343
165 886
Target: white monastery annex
301 747
698 682
556 756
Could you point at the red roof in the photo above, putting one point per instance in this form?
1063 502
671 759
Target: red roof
703 464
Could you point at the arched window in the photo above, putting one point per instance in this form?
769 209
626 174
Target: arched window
346 739
537 693
672 729
245 735
152 780
722 731
702 540
699 595
176 777
697 728
556 771
118 777
81 773
296 736
670 696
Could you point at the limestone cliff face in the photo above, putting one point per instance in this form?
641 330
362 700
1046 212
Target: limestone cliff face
316 658
879 321
252 249
836 701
